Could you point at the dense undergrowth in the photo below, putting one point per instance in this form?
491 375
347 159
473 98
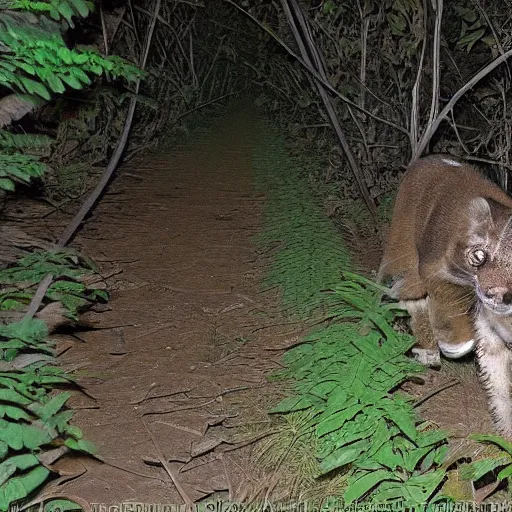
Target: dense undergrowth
38 64
35 428
346 371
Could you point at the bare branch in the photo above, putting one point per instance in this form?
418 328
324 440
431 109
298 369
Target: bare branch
313 59
435 125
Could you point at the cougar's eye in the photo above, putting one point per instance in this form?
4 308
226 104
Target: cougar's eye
477 257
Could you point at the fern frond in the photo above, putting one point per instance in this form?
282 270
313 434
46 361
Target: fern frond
18 168
23 141
56 9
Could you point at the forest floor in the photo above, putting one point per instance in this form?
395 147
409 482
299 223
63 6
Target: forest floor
174 373
176 370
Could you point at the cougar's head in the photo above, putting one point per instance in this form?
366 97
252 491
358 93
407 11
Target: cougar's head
488 254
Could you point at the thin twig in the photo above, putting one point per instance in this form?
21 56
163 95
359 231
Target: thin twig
415 107
184 496
104 29
483 12
250 441
197 406
132 472
488 161
202 105
214 60
436 391
436 64
365 27
163 395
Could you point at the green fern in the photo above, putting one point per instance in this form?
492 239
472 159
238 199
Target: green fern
66 267
346 370
56 9
41 63
24 335
23 141
33 419
18 168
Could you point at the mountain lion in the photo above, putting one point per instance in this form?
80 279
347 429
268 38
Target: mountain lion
449 255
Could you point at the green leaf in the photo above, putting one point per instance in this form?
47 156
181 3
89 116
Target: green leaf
15 413
470 39
11 434
52 407
74 431
413 457
291 404
6 184
494 439
20 487
505 473
80 445
4 449
35 437
9 395
80 75
60 421
99 294
6 471
33 87
26 67
359 487
65 11
55 83
477 469
343 456
60 505
396 414
30 330
336 421
65 54
81 7
388 457
71 81
17 462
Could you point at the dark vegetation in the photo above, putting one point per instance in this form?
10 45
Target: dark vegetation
361 86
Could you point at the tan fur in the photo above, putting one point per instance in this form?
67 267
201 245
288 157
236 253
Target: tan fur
494 359
446 215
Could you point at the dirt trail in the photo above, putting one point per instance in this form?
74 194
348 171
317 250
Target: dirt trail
187 366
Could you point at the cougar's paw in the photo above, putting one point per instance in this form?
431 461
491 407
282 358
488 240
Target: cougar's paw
454 351
427 357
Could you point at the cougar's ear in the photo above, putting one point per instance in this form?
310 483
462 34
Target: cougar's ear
499 212
480 219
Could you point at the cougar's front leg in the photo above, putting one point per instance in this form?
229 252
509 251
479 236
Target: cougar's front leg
494 360
425 350
450 317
